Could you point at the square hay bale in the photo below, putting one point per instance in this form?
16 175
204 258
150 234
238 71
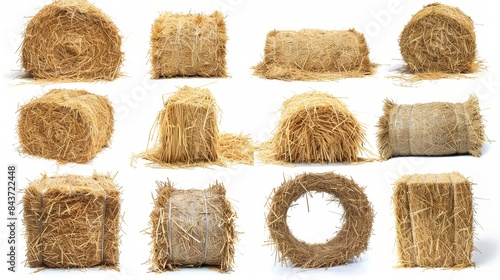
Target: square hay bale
66 125
188 45
434 220
72 221
192 228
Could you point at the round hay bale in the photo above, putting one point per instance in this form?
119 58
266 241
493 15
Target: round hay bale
188 45
66 125
439 39
315 127
434 220
312 54
72 221
430 129
192 228
71 40
350 241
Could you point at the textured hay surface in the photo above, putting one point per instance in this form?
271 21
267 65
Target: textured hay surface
350 241
71 40
431 129
434 220
188 45
439 39
312 54
72 221
187 133
192 228
315 127
66 125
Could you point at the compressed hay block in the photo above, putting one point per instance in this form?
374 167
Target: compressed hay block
312 54
431 129
434 217
192 228
439 38
351 239
315 127
72 221
66 125
188 45
73 40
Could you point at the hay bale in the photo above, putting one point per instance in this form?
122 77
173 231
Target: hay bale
315 127
72 221
351 239
71 40
434 217
439 39
192 228
431 129
188 45
312 54
187 133
66 125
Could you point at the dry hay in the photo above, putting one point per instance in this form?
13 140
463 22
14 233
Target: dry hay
350 241
438 41
72 221
192 228
431 129
66 125
188 45
312 54
71 40
315 127
187 133
434 217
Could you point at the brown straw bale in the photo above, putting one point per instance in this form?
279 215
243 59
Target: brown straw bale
192 228
66 125
315 127
188 45
187 133
439 40
431 129
72 221
434 220
349 242
312 54
71 40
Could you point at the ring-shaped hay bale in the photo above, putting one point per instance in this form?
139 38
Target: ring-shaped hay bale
315 127
71 40
188 45
312 54
431 129
439 39
66 125
350 241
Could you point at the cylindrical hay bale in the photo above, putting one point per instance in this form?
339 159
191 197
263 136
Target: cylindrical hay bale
72 221
434 220
439 38
192 228
73 40
66 125
188 45
315 127
350 241
312 54
431 129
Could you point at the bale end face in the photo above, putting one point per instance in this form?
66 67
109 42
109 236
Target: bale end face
434 220
72 221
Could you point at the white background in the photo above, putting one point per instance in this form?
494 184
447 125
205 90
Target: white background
251 105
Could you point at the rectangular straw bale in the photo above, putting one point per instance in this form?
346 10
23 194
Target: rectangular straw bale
72 221
188 45
434 220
